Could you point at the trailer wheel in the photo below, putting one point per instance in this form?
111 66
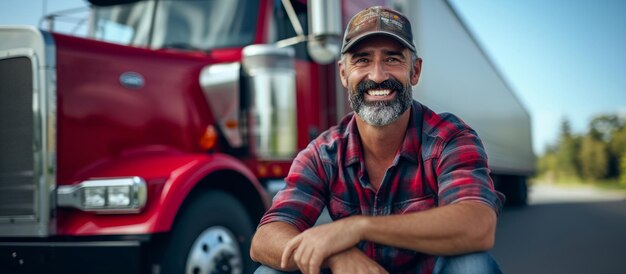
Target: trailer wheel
516 190
521 188
211 236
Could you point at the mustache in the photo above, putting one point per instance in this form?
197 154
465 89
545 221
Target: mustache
390 84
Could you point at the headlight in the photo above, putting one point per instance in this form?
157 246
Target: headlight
114 195
119 196
94 197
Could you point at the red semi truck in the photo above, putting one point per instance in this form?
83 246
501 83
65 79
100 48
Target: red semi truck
149 146
153 144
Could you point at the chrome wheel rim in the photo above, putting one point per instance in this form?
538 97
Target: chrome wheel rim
215 251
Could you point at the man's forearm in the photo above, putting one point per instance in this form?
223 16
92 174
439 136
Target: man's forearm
449 230
269 242
353 260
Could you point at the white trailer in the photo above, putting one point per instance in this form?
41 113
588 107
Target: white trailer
458 77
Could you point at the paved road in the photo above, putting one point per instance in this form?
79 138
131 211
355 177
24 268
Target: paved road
564 231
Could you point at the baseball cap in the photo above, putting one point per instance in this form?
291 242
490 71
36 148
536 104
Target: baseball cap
378 20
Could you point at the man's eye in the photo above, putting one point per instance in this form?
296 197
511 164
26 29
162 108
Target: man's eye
361 60
393 60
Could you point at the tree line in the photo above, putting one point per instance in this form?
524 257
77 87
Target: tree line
597 155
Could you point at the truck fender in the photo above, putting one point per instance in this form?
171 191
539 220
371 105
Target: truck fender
198 174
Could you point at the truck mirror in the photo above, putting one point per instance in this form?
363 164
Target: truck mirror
324 30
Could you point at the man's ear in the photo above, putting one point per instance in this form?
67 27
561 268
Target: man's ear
417 69
342 73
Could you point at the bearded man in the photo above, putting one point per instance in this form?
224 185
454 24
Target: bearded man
408 189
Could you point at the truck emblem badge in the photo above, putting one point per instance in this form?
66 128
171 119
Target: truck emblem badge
131 80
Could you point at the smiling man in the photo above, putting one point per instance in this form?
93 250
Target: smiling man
408 189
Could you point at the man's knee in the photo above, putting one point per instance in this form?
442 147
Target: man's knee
480 262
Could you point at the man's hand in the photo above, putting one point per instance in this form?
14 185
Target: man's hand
313 246
353 261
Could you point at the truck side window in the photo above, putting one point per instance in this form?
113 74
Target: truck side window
282 29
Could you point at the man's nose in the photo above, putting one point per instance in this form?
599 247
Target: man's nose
378 73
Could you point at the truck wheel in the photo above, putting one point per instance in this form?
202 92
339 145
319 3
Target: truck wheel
212 235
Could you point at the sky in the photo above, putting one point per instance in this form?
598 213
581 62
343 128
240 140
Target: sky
562 58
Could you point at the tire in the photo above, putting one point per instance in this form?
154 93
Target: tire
516 191
211 235
521 187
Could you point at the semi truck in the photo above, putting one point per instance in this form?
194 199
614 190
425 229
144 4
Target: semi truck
154 144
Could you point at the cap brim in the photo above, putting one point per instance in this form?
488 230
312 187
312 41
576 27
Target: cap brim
359 38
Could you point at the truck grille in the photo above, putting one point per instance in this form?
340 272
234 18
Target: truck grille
17 183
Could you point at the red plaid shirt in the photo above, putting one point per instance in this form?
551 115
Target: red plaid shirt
441 161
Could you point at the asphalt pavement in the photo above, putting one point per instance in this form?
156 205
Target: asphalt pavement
564 230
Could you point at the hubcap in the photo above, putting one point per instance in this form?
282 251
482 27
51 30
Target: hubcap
215 251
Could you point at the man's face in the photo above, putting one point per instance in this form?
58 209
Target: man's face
378 73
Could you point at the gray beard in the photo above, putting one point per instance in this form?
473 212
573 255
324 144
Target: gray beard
381 113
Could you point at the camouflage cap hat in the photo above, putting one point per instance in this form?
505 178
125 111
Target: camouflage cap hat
378 20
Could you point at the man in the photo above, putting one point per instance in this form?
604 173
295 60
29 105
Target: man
408 189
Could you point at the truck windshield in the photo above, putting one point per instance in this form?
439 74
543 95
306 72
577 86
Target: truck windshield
183 24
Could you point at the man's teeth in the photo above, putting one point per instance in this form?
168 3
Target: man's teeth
379 92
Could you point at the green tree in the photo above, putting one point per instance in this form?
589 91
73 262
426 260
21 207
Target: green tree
617 144
602 127
600 154
617 149
547 166
622 173
567 152
594 158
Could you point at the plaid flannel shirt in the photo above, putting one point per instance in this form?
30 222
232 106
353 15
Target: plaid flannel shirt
441 161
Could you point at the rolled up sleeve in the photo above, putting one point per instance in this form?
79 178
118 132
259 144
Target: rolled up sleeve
463 172
301 201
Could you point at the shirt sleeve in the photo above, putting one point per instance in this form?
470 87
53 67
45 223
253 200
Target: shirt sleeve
463 172
301 201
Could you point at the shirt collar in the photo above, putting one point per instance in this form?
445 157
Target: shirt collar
410 145
354 149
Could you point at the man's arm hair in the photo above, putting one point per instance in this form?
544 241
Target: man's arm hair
463 227
269 242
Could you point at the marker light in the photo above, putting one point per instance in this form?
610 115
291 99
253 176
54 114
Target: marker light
114 195
208 138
